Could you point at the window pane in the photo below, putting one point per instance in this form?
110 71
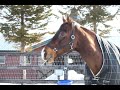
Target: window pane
28 60
2 59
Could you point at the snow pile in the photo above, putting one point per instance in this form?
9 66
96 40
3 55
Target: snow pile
72 75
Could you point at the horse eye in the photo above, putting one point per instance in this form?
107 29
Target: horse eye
62 34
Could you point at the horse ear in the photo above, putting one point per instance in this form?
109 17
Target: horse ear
70 20
64 20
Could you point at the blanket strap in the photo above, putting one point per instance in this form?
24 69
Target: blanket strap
97 81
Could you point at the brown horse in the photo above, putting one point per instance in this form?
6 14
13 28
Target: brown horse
73 36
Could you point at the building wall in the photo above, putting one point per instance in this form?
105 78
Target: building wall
7 70
11 60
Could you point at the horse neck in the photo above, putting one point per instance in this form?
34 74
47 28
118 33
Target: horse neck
87 46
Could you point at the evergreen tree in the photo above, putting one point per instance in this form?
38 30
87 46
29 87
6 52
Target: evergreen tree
21 19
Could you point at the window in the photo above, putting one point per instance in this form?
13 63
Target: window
28 59
2 59
25 60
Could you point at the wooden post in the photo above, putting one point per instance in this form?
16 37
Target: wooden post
65 68
23 63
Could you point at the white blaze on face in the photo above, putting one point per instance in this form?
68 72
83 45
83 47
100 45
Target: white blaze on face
43 53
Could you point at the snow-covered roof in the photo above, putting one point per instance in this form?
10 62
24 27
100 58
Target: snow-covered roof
41 44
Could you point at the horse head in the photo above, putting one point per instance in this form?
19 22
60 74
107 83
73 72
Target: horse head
62 42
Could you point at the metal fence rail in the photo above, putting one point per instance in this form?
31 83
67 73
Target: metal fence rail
29 67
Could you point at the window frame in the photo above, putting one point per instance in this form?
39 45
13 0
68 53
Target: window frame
29 57
3 60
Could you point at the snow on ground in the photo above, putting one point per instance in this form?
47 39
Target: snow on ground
9 84
72 75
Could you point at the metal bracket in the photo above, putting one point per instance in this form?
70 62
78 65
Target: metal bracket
73 37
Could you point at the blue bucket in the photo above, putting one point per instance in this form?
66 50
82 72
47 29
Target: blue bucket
64 82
